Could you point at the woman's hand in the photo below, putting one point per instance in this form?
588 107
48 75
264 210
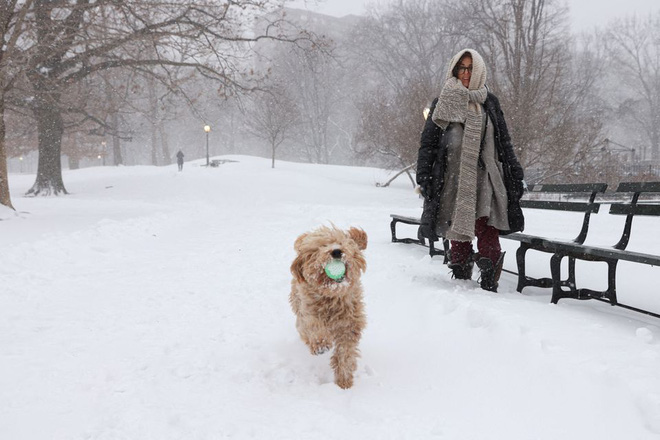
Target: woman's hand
519 188
425 190
424 187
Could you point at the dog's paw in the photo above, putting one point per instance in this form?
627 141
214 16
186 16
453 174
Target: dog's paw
320 350
344 382
320 347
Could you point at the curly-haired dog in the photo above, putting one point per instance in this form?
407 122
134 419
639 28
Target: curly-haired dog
328 305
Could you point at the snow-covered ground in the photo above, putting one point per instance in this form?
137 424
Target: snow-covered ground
153 304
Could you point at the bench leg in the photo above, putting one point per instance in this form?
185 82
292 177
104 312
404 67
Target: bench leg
571 273
610 294
520 260
421 238
557 291
433 251
393 230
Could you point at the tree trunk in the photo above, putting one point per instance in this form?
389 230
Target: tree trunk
5 198
167 157
154 146
50 128
154 119
654 137
273 147
116 142
74 151
231 142
110 97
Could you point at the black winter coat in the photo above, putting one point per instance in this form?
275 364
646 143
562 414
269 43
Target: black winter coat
431 165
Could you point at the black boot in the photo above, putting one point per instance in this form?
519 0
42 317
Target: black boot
490 273
462 271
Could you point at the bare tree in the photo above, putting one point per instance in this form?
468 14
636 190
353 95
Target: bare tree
404 48
270 116
634 46
113 100
75 39
314 80
407 41
12 22
545 85
389 128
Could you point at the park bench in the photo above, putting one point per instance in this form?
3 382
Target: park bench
611 255
566 198
578 198
420 240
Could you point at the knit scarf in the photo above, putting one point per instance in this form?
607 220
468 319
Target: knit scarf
459 104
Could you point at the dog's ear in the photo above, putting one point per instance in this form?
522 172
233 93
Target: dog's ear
297 269
298 242
358 236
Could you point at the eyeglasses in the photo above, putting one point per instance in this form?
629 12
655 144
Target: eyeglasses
462 69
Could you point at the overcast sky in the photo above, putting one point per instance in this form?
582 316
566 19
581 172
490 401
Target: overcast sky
585 14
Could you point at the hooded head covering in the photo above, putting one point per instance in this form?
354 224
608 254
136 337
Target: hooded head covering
478 78
463 105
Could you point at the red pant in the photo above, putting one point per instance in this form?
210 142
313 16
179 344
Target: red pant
488 243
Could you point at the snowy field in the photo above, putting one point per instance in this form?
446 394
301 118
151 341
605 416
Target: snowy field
153 304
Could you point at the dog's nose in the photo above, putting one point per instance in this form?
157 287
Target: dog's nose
336 253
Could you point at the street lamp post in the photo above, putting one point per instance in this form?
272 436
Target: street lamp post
207 129
609 146
618 148
103 144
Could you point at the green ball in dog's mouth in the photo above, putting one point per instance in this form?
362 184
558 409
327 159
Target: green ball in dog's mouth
335 269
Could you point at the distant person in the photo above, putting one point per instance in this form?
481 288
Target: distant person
179 159
468 173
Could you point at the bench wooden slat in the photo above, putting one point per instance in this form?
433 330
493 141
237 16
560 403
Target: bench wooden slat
407 220
583 252
568 187
638 187
561 206
524 238
625 209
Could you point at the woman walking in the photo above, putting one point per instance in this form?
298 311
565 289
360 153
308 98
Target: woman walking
468 173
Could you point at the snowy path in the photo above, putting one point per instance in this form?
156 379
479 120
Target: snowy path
151 304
